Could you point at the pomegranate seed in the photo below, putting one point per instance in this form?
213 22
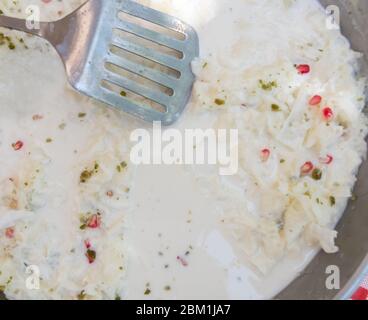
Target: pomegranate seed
9 233
87 244
182 261
94 221
315 100
265 154
18 145
327 113
361 294
303 68
327 160
306 168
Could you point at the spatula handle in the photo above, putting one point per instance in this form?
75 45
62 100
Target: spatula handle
40 29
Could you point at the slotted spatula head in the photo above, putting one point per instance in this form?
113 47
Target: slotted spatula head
125 64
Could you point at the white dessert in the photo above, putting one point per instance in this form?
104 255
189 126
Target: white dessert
98 227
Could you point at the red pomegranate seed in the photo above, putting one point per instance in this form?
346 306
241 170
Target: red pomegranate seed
327 160
303 68
87 244
9 233
18 145
94 221
361 294
327 113
265 154
306 168
315 100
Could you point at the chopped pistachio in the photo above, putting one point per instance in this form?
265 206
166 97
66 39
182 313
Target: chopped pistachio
81 295
91 255
220 102
85 176
267 86
317 174
120 167
275 107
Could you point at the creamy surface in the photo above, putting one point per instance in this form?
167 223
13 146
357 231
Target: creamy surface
180 232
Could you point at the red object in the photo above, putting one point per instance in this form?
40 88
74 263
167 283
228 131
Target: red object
315 100
90 254
9 233
306 168
361 294
303 68
94 221
327 160
265 154
87 244
327 113
18 145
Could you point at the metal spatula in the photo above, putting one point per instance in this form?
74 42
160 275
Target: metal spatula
90 45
